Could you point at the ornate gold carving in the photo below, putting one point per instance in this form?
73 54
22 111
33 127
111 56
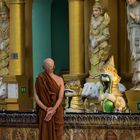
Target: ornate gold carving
4 39
74 102
91 105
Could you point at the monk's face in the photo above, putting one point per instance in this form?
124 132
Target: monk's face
132 2
49 64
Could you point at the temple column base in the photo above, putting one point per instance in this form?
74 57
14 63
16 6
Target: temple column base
3 104
18 94
80 77
133 98
12 104
9 104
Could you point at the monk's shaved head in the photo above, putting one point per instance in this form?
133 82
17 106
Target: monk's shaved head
48 64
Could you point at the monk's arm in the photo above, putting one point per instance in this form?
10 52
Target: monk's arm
61 95
52 110
38 101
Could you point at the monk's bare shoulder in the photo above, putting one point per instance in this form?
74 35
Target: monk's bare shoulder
59 79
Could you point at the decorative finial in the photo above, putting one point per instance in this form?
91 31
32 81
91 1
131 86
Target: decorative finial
111 62
109 67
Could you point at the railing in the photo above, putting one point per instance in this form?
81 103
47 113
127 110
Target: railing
74 120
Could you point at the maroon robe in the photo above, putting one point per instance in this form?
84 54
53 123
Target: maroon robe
48 91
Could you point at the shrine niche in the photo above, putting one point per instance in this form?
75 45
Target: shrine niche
103 90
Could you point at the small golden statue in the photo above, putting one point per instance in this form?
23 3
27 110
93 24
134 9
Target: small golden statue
99 35
4 39
74 102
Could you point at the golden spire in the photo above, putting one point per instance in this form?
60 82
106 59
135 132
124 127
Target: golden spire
109 67
110 62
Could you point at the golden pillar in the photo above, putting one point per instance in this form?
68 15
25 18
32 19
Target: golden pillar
17 37
76 39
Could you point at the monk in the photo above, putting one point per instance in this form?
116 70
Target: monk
48 93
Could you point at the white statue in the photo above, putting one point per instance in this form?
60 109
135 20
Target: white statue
99 35
133 28
91 90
